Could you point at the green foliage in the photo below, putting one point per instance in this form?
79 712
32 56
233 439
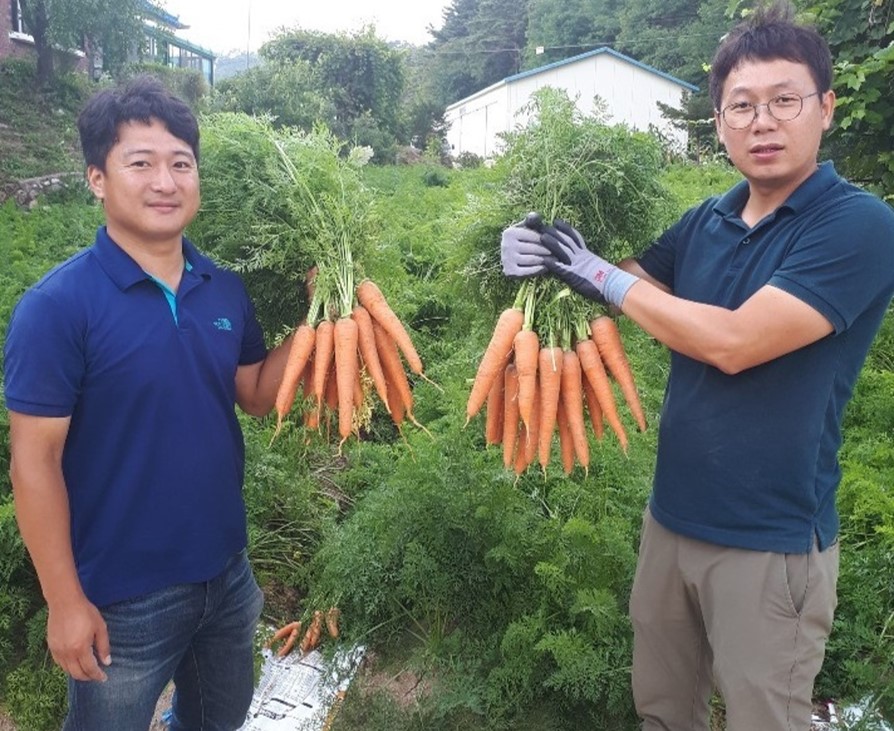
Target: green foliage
357 74
113 25
188 84
36 689
284 92
604 180
861 36
38 128
276 202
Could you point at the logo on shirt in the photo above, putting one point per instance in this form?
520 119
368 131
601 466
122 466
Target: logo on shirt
223 323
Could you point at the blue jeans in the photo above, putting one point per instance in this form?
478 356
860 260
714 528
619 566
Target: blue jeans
199 635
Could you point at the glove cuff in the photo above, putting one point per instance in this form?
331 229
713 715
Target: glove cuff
617 283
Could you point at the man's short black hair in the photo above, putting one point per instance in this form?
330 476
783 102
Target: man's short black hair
770 33
143 99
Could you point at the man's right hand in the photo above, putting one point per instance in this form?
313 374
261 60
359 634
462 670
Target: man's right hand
78 639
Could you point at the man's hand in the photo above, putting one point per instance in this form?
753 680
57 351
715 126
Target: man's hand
522 253
79 640
582 270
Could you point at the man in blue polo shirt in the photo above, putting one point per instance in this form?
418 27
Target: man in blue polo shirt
123 366
769 298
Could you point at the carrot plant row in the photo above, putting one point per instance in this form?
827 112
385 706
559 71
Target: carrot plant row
538 390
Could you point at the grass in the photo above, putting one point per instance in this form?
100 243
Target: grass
38 130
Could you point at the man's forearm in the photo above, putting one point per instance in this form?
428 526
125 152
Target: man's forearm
42 512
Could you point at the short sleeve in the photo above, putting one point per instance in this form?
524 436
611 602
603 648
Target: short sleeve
844 262
44 359
254 350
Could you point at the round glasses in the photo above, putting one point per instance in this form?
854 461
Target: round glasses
783 108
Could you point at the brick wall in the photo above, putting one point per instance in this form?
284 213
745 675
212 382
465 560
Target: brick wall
18 48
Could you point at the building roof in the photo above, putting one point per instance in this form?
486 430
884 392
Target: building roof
162 16
598 52
573 59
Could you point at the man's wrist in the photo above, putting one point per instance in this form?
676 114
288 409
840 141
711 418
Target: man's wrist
616 285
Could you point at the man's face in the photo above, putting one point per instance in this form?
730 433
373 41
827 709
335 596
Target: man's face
768 152
150 187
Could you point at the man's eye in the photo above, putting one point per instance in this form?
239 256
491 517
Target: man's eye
786 100
739 107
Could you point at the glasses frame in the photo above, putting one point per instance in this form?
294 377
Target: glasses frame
755 107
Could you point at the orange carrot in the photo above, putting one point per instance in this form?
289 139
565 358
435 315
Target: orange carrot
331 389
393 368
566 441
366 342
290 641
332 616
591 364
358 390
549 370
573 406
311 638
299 351
494 430
527 348
593 408
311 415
493 361
510 414
282 633
370 296
604 333
346 371
532 435
322 360
395 406
520 453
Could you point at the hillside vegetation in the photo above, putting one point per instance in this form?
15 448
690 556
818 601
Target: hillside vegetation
485 600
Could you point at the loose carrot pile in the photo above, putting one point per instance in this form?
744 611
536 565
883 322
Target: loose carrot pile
535 390
337 360
311 638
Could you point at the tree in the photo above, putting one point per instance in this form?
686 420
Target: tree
565 28
861 37
360 75
112 25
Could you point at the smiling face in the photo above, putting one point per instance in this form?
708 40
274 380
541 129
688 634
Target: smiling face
775 157
149 187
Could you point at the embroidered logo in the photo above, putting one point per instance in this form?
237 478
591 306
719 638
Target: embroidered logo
223 323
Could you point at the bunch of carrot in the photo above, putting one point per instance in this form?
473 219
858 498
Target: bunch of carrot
533 390
334 359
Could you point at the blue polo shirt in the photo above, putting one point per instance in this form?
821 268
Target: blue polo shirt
750 460
154 457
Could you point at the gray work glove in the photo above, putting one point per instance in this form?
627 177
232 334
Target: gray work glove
582 270
522 253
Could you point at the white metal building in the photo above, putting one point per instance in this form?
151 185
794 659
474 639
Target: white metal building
630 91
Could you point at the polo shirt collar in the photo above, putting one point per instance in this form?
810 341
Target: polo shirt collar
125 272
733 201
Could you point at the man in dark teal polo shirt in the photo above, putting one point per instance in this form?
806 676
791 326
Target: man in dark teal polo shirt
769 298
123 367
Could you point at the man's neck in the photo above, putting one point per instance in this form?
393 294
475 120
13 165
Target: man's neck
162 258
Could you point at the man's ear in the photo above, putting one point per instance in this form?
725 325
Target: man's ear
96 181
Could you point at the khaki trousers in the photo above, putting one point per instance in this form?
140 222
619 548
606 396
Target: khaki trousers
751 624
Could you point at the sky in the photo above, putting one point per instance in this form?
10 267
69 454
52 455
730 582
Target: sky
223 26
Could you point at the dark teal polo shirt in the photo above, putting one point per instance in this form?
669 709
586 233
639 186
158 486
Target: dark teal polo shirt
154 458
750 460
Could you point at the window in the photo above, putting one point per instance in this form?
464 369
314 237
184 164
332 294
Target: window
18 23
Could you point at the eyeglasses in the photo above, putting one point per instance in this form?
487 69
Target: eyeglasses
783 108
